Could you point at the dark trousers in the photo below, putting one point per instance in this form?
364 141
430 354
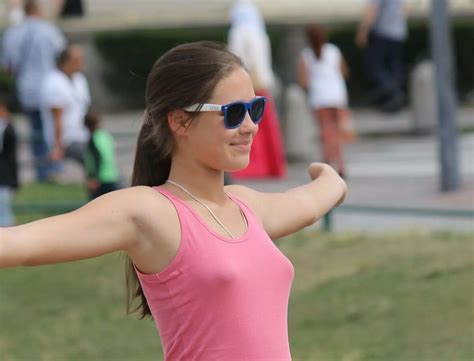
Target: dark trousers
39 146
75 151
383 60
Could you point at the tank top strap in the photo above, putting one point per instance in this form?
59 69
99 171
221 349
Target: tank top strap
189 219
185 214
177 202
252 219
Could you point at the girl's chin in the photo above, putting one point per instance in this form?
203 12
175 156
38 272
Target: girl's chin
237 165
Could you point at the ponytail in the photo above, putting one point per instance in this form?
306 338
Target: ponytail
152 158
151 168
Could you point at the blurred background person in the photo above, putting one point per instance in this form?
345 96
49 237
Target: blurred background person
29 53
65 99
248 39
102 174
8 164
321 72
382 33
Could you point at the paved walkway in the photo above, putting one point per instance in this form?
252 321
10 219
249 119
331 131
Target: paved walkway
389 168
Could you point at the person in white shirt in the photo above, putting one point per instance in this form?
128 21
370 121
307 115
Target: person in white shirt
321 72
64 103
29 52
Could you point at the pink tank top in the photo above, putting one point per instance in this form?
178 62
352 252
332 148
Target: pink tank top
221 298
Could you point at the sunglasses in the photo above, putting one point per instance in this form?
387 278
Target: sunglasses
234 113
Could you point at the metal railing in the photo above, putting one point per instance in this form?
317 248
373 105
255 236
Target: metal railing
399 211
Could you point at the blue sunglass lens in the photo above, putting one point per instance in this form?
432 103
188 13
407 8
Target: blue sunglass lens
235 115
236 112
256 111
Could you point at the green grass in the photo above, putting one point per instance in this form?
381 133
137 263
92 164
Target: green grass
405 296
51 192
47 193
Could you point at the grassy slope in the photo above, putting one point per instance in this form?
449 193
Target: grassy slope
406 296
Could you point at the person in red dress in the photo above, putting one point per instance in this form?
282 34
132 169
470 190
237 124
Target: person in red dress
248 40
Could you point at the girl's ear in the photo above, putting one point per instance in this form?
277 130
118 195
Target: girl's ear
178 121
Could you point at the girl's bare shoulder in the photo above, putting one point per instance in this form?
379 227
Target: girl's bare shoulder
142 201
158 224
154 214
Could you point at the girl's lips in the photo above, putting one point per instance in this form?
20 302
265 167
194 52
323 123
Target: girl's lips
240 143
243 146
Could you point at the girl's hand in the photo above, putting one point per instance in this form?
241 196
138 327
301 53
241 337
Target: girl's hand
316 170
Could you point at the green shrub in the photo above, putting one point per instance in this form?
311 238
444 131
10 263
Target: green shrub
7 88
130 55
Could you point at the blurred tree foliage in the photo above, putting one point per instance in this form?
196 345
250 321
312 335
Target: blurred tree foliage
7 89
130 55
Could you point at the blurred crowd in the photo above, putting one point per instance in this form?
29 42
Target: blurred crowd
54 94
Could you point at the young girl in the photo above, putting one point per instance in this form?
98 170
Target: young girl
201 258
102 173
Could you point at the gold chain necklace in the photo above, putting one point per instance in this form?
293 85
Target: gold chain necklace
209 209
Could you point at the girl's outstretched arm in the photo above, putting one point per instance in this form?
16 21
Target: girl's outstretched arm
104 225
288 212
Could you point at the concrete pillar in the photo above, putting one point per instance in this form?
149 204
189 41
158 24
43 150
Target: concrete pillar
300 131
287 61
94 70
423 97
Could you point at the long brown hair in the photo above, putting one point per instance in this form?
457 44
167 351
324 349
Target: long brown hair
316 36
183 76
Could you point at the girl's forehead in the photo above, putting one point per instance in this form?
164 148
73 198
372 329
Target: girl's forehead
236 86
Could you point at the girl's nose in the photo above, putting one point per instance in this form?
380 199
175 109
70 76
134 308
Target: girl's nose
248 126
